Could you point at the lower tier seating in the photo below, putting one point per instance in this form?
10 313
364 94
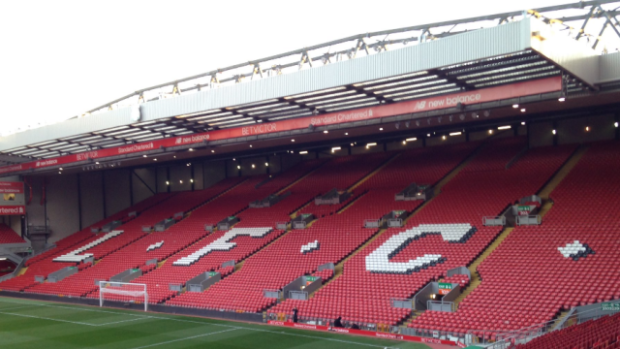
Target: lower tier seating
132 232
279 264
483 188
603 333
570 260
43 264
8 236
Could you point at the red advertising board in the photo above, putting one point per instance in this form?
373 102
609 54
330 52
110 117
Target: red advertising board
521 89
383 335
12 210
12 200
11 187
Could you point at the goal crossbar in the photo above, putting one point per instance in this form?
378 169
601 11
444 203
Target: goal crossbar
123 292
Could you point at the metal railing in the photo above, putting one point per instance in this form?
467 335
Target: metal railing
373 223
394 223
490 221
497 339
509 339
529 220
441 306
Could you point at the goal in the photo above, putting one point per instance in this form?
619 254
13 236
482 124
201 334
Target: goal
123 292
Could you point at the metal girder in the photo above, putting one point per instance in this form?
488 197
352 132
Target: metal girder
10 159
378 41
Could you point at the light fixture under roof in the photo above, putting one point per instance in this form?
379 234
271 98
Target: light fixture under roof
522 123
326 131
380 128
562 99
456 133
335 149
515 106
554 131
371 145
191 149
346 133
412 139
238 167
523 110
303 152
213 151
507 127
293 140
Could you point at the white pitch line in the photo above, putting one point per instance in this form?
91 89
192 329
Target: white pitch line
186 338
46 318
78 307
120 322
15 308
206 323
275 332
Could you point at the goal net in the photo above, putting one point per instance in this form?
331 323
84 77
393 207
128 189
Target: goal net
123 292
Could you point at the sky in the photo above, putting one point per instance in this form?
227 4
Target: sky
61 58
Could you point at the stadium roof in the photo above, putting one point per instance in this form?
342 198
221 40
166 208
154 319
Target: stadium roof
369 70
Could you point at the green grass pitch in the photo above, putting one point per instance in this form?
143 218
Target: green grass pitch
34 324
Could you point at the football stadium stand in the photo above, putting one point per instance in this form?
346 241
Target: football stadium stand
484 187
430 183
603 333
8 236
572 252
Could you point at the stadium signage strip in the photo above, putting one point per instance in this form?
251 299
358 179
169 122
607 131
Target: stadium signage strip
12 210
382 335
11 187
521 89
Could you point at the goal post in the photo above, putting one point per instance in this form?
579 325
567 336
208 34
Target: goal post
123 292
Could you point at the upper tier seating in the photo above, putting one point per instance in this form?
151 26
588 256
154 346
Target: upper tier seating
43 264
8 236
528 263
603 333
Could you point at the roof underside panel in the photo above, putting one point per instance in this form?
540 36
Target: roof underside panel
471 46
609 68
